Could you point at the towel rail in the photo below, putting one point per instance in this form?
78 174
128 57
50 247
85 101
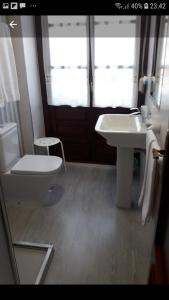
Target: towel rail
158 153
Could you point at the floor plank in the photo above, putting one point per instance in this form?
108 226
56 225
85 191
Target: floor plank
95 242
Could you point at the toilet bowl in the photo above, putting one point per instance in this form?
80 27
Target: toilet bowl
25 180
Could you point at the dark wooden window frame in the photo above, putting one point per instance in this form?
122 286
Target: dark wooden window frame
90 31
75 125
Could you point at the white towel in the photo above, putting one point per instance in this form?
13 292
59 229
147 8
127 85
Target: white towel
9 90
157 189
150 137
2 102
147 197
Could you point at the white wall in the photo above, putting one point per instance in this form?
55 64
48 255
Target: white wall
160 115
2 19
30 105
32 73
24 103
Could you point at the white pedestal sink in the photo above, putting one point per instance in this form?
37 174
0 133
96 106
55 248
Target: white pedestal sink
125 132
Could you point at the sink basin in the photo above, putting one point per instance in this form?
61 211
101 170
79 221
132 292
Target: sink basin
122 130
125 132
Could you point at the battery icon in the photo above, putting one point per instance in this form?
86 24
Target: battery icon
145 5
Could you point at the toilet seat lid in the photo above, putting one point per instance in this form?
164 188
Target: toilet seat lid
37 164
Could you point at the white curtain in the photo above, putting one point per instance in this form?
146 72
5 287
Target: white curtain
9 89
112 60
9 113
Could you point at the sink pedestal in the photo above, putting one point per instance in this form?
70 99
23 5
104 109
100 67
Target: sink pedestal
125 159
126 132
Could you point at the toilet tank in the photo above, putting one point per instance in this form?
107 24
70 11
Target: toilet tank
9 146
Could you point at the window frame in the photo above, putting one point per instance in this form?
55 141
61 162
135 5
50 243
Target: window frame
90 61
160 30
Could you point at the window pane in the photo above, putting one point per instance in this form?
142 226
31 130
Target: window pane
114 61
68 58
162 61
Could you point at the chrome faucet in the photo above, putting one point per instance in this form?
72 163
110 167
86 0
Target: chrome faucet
136 112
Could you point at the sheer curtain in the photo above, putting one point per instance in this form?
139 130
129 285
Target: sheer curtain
65 60
10 113
91 60
116 50
9 89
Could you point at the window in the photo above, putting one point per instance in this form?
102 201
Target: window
161 59
91 61
114 61
68 59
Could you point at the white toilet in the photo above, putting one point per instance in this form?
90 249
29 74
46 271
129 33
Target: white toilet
27 179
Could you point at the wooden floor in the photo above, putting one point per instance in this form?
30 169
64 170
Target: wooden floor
95 242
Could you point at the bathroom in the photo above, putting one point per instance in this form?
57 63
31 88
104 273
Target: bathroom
97 235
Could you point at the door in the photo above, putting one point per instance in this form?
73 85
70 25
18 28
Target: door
88 67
